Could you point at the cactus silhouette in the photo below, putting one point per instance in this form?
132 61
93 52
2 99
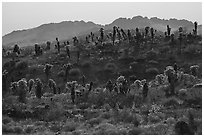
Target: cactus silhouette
129 36
168 30
146 31
124 34
101 34
118 33
152 32
114 34
196 27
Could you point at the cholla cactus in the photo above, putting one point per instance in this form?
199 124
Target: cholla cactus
52 85
22 90
146 31
67 67
14 88
31 82
159 78
129 35
75 40
196 27
168 30
194 70
16 49
92 37
47 70
143 81
137 84
118 33
114 34
38 88
120 79
170 73
48 45
123 34
68 86
152 32
169 70
101 34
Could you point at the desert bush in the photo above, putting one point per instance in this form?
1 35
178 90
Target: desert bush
70 126
6 129
153 62
61 73
9 66
21 65
110 67
74 73
171 102
95 121
152 54
55 113
126 116
105 115
6 119
135 131
86 65
194 97
153 118
192 49
29 129
152 71
126 60
126 72
83 105
38 88
104 129
97 99
18 130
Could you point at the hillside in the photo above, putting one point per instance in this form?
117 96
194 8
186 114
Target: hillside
68 29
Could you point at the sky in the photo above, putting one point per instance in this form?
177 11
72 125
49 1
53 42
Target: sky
24 15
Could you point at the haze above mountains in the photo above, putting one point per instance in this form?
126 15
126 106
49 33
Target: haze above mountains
68 29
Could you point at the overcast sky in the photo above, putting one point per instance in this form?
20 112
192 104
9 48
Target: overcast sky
18 16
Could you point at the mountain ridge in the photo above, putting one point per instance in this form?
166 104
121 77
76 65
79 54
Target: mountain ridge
68 29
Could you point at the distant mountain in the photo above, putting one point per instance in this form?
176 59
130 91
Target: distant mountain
156 23
47 32
68 29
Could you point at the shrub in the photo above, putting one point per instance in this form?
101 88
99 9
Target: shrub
171 102
7 129
61 73
126 60
9 66
6 120
125 72
105 129
95 121
110 67
153 118
18 130
152 71
75 73
153 62
29 129
21 65
151 54
125 115
55 113
83 105
135 131
86 65
70 126
105 115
